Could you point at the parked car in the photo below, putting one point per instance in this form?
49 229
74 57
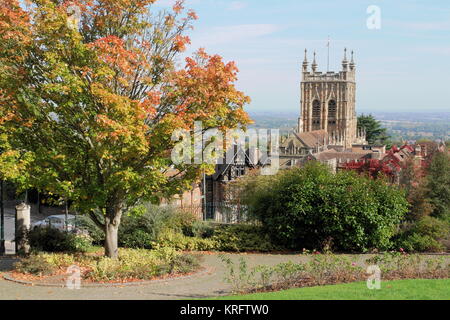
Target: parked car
57 222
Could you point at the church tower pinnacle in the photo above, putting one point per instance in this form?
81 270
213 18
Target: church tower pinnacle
305 62
352 63
314 65
345 61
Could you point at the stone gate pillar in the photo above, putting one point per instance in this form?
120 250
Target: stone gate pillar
23 223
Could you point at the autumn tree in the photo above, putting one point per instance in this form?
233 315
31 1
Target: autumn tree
91 93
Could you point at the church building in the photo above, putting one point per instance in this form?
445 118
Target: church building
328 125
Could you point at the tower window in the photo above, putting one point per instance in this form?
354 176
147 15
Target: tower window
332 109
316 115
316 109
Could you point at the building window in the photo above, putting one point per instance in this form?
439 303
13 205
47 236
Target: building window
332 109
316 114
316 109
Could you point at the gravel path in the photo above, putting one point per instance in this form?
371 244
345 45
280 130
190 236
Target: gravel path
205 285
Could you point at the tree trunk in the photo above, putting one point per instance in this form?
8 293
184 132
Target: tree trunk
111 241
112 222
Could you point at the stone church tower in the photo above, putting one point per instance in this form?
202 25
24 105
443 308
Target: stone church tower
329 103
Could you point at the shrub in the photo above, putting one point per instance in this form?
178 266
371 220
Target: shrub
181 221
201 229
239 277
171 239
242 238
186 263
151 227
400 265
54 240
36 265
137 239
311 207
132 264
330 269
142 264
426 235
288 272
143 227
320 270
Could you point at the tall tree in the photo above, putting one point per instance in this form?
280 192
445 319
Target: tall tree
91 94
438 183
374 130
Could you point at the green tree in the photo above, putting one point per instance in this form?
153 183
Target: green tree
311 206
91 94
374 131
438 184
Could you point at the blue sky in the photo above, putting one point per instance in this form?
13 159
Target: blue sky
404 66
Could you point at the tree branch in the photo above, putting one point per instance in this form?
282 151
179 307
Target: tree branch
96 220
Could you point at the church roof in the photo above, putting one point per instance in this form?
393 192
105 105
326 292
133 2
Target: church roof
342 156
307 139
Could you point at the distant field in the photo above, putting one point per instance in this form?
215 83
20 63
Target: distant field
401 126
390 290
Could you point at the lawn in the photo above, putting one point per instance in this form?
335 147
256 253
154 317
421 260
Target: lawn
390 290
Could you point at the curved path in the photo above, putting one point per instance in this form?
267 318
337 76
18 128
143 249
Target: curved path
204 285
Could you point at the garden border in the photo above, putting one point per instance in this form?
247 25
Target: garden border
8 277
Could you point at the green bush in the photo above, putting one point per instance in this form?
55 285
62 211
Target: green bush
54 240
426 235
142 264
181 221
417 242
145 225
201 229
137 239
140 226
178 241
314 208
150 227
242 238
132 263
226 238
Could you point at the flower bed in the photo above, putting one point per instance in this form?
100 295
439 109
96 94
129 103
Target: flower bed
329 269
133 265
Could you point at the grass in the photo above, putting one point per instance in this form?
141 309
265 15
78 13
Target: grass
390 290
